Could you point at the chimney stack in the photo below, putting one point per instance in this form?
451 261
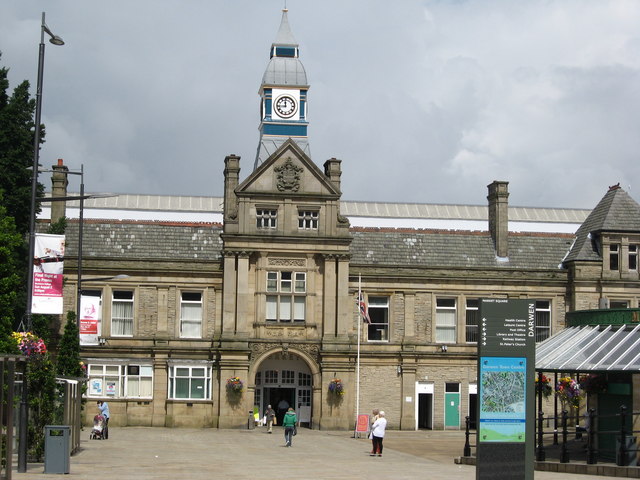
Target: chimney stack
499 216
231 181
59 182
333 171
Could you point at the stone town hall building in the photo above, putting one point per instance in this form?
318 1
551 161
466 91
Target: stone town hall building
265 288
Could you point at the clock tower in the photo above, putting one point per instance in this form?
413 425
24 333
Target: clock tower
283 96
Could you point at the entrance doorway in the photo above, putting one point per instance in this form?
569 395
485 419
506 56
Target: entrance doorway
424 405
280 399
425 409
283 381
473 406
452 405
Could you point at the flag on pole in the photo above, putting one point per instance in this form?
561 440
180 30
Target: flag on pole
364 311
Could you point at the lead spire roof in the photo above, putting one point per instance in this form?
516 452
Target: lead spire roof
285 36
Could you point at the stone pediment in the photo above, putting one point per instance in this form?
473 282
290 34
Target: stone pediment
289 171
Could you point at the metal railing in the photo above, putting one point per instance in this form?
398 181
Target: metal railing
615 442
10 367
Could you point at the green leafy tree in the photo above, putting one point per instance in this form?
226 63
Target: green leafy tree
16 150
10 279
16 157
43 401
68 363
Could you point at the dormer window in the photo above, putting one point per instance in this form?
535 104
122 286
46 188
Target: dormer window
307 220
266 218
614 257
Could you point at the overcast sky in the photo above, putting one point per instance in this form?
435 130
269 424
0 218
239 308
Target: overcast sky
423 101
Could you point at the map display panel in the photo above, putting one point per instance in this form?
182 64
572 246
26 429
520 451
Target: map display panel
503 399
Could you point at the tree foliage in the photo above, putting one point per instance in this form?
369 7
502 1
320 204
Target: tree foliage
16 158
16 150
10 279
43 401
68 362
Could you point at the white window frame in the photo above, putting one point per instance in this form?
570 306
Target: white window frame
288 377
191 327
471 329
308 219
197 377
286 297
543 331
446 329
122 326
109 380
379 314
266 218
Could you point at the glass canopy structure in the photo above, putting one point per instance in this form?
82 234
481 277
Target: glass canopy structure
591 348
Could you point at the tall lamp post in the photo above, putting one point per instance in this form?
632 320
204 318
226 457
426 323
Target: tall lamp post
55 40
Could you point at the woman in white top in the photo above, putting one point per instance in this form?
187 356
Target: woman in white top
377 433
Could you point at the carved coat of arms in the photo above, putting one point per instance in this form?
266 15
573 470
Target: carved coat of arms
288 176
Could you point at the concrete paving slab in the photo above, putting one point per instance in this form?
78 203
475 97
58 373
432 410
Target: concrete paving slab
145 453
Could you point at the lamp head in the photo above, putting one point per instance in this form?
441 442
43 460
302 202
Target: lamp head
56 40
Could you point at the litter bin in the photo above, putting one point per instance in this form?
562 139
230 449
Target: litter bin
56 448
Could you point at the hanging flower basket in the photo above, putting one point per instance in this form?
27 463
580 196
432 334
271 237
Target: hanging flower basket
543 384
234 385
568 391
594 383
28 344
336 387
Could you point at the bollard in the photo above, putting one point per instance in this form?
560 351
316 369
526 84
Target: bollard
467 446
622 451
540 453
591 438
564 453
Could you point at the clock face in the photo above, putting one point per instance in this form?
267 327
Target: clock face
286 106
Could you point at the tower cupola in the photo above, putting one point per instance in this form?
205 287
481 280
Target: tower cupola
283 96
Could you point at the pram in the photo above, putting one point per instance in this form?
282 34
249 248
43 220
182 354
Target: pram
97 432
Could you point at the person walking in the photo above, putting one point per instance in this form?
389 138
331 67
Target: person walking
289 424
374 416
270 415
104 411
377 434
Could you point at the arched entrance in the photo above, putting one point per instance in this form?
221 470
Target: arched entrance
284 380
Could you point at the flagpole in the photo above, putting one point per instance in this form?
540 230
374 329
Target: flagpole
358 356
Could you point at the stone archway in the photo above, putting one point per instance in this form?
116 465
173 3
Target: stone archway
284 378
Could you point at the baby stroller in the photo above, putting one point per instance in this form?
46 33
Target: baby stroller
97 432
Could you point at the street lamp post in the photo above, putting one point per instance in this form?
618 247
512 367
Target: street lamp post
55 40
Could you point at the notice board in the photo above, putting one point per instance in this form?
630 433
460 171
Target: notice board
506 384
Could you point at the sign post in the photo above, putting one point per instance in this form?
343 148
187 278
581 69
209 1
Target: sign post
506 378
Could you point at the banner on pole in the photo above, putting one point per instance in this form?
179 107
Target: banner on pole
48 266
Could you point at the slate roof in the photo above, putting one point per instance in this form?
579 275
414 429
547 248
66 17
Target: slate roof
457 249
146 241
616 212
130 240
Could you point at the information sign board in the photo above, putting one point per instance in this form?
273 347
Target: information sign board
506 376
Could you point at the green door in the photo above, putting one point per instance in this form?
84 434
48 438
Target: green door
452 405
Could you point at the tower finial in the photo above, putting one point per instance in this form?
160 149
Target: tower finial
285 6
